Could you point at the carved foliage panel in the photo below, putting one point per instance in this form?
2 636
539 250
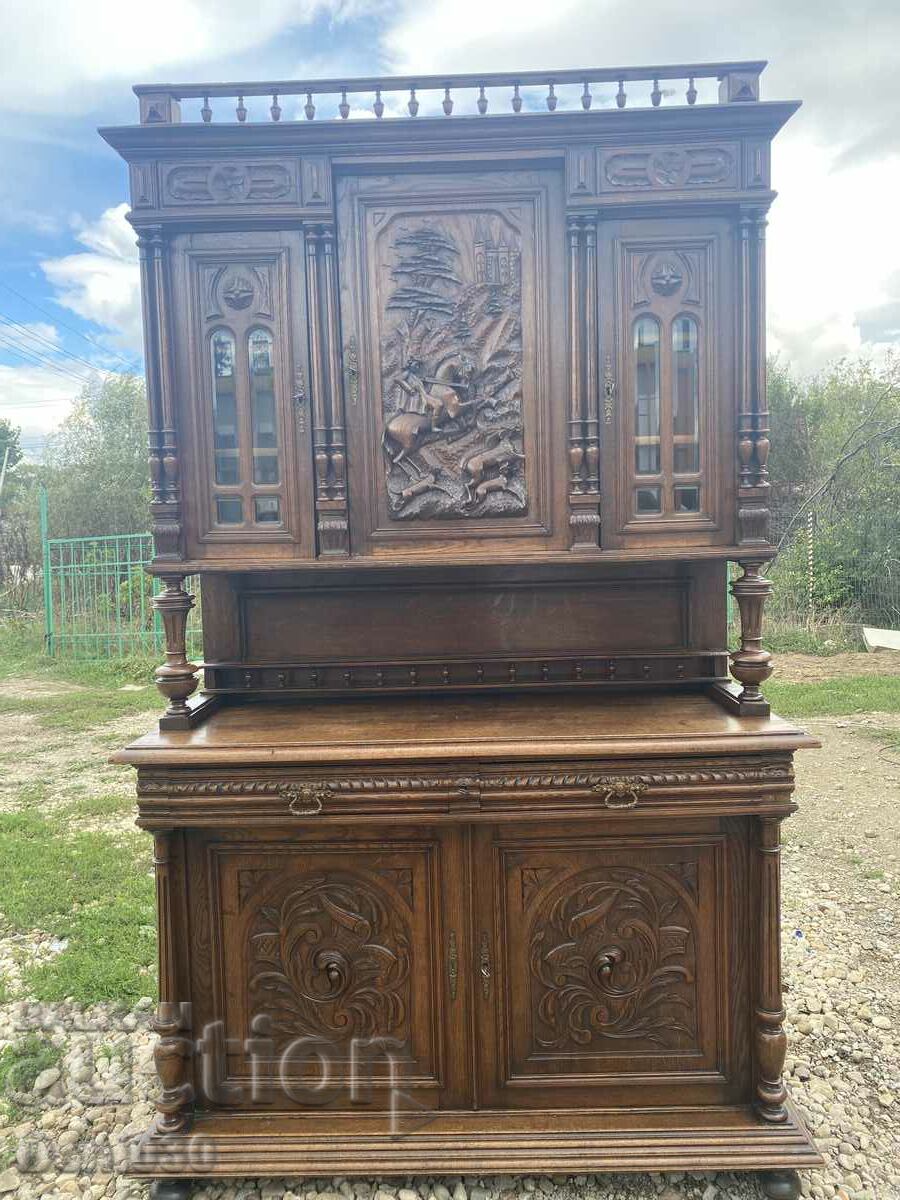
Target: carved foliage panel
232 183
449 392
669 168
609 958
331 943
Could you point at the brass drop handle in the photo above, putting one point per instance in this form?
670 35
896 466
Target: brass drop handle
619 791
484 959
306 800
452 964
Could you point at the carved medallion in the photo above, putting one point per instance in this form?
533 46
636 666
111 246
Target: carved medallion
666 278
229 183
238 292
664 168
452 367
613 957
331 960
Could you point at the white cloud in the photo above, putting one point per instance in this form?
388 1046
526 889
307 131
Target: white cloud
102 285
36 397
63 49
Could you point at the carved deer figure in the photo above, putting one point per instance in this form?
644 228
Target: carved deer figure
406 431
498 455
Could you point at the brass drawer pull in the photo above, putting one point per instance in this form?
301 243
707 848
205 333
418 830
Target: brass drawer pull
619 792
307 800
485 965
452 964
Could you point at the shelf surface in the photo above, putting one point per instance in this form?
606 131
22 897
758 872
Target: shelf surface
480 727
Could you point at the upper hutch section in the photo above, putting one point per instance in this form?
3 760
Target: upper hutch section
458 318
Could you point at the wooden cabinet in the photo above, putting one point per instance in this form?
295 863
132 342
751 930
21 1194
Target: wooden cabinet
467 850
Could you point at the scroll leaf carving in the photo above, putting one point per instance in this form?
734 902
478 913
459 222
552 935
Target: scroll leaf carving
452 368
331 959
229 183
612 956
662 169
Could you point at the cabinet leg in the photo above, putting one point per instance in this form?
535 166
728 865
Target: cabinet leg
172 1189
781 1185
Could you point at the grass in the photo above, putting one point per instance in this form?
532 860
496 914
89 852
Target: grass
20 1065
835 697
94 892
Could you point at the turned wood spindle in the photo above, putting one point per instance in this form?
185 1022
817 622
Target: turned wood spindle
656 94
620 94
241 111
206 111
176 678
551 99
482 100
344 107
691 94
751 665
447 103
516 99
586 98
413 105
378 106
309 108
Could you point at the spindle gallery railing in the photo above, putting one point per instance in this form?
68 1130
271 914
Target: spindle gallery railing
738 81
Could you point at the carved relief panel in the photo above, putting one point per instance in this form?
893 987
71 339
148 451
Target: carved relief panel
240 345
335 943
450 329
604 972
668 354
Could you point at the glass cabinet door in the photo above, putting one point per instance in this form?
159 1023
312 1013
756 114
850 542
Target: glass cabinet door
669 434
241 304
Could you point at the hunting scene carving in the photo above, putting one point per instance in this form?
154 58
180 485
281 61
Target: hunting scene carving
451 368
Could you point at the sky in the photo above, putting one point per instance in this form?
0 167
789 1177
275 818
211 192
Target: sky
69 303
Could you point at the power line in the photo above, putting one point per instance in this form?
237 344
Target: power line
35 359
131 364
6 319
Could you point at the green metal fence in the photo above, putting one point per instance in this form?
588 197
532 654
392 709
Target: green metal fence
98 597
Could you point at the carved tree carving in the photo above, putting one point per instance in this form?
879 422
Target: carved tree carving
331 960
451 369
613 956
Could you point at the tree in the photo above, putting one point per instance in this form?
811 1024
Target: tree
9 438
96 465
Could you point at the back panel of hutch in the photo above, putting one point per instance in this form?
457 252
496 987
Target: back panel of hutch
467 851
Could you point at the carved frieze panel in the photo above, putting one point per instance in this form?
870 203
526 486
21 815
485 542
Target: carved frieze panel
226 182
669 168
232 289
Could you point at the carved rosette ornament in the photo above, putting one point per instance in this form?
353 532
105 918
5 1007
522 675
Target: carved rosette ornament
612 957
331 959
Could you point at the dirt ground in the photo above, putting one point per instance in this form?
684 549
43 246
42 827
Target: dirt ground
811 668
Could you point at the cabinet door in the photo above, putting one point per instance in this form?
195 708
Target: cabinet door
668 347
610 967
240 334
453 317
333 962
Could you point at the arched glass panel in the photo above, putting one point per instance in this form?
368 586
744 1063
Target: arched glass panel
263 424
685 396
646 396
225 418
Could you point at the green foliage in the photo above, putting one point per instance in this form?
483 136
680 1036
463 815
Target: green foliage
96 465
836 456
20 1064
9 437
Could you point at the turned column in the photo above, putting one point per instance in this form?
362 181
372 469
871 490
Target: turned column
770 1041
176 678
173 1050
751 665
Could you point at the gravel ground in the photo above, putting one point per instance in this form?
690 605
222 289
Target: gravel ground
841 881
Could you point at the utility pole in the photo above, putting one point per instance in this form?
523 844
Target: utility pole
3 476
